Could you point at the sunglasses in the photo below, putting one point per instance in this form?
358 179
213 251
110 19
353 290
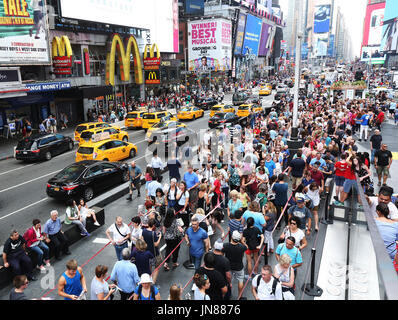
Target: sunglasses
293 223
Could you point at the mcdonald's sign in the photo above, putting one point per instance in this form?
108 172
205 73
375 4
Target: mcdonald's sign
152 62
152 76
62 55
124 53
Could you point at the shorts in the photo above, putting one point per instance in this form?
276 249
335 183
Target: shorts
383 170
249 252
339 181
328 182
297 180
239 275
315 208
348 184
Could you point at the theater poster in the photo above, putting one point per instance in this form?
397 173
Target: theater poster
24 32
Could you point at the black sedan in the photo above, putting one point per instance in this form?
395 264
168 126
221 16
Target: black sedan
85 179
223 118
207 103
43 146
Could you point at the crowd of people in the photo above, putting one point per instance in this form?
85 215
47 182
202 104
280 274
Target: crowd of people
243 177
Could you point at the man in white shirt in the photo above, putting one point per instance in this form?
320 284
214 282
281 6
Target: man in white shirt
152 187
385 194
265 289
120 234
157 164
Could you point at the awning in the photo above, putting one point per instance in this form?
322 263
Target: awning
94 92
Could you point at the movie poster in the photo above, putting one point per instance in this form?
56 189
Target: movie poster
24 32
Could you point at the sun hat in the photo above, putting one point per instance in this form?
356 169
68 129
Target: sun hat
145 278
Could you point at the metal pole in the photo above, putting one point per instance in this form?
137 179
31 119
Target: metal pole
310 288
186 67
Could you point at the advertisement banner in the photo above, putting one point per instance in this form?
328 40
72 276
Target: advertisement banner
252 35
160 17
373 24
195 7
24 32
240 34
389 40
321 45
372 54
304 51
266 33
277 12
331 46
210 45
322 18
265 5
248 3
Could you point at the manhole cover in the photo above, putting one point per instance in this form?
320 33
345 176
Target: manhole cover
334 291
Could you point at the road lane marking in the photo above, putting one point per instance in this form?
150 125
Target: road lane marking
19 210
26 182
9 171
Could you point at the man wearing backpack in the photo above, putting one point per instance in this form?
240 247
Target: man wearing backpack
266 286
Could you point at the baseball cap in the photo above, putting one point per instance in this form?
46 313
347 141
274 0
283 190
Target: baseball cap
236 236
218 245
299 197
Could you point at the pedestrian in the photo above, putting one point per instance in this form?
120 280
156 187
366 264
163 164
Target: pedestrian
157 165
280 189
125 275
20 284
313 193
340 170
253 238
171 194
285 274
120 235
72 283
301 212
269 212
385 196
296 169
35 241
223 266
182 205
192 183
16 257
175 292
52 233
85 212
173 165
265 286
142 257
198 242
152 239
292 230
135 174
289 248
375 144
202 284
136 231
173 234
146 290
364 122
100 289
383 161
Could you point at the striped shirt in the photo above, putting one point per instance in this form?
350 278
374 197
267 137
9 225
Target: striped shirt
235 225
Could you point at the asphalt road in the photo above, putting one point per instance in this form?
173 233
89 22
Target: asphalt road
23 185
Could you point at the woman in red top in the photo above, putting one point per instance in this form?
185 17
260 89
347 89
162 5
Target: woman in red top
340 168
217 215
350 179
35 241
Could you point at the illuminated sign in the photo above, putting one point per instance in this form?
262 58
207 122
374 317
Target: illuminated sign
153 62
124 56
152 76
62 55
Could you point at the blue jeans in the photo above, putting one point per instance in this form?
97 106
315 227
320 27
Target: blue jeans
372 157
119 249
196 261
42 251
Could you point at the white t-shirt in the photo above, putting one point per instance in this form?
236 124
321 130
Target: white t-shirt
298 235
124 229
135 233
183 198
314 196
264 289
374 201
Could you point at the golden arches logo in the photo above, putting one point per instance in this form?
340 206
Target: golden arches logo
152 76
124 60
61 47
151 51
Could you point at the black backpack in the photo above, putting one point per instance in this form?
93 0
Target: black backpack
274 284
151 296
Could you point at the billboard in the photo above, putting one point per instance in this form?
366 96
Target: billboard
389 40
24 32
277 12
321 45
322 15
240 34
373 24
304 51
252 35
372 54
209 45
265 5
248 3
195 7
331 46
266 40
160 17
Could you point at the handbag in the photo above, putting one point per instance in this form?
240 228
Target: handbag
159 257
123 235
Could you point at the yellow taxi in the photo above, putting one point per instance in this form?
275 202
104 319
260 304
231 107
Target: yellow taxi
134 119
114 133
163 125
191 113
221 108
265 90
151 118
87 126
257 108
244 110
105 149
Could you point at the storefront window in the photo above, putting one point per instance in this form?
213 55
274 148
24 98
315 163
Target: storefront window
97 61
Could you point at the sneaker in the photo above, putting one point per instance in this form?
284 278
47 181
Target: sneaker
96 224
130 198
336 198
48 264
338 203
138 195
42 269
88 234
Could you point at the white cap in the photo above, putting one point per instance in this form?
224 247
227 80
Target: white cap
145 278
218 245
236 236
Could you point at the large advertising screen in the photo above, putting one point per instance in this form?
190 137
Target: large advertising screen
24 33
321 45
266 40
331 45
372 54
252 35
373 24
158 16
240 34
209 45
195 7
322 18
389 40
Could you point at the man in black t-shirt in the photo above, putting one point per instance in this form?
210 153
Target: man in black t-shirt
375 144
296 168
383 160
223 266
218 285
14 256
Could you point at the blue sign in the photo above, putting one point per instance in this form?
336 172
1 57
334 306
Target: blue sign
195 7
252 35
331 46
304 51
322 18
240 34
48 86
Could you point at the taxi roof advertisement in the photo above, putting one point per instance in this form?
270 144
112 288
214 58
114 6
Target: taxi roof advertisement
209 45
24 32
